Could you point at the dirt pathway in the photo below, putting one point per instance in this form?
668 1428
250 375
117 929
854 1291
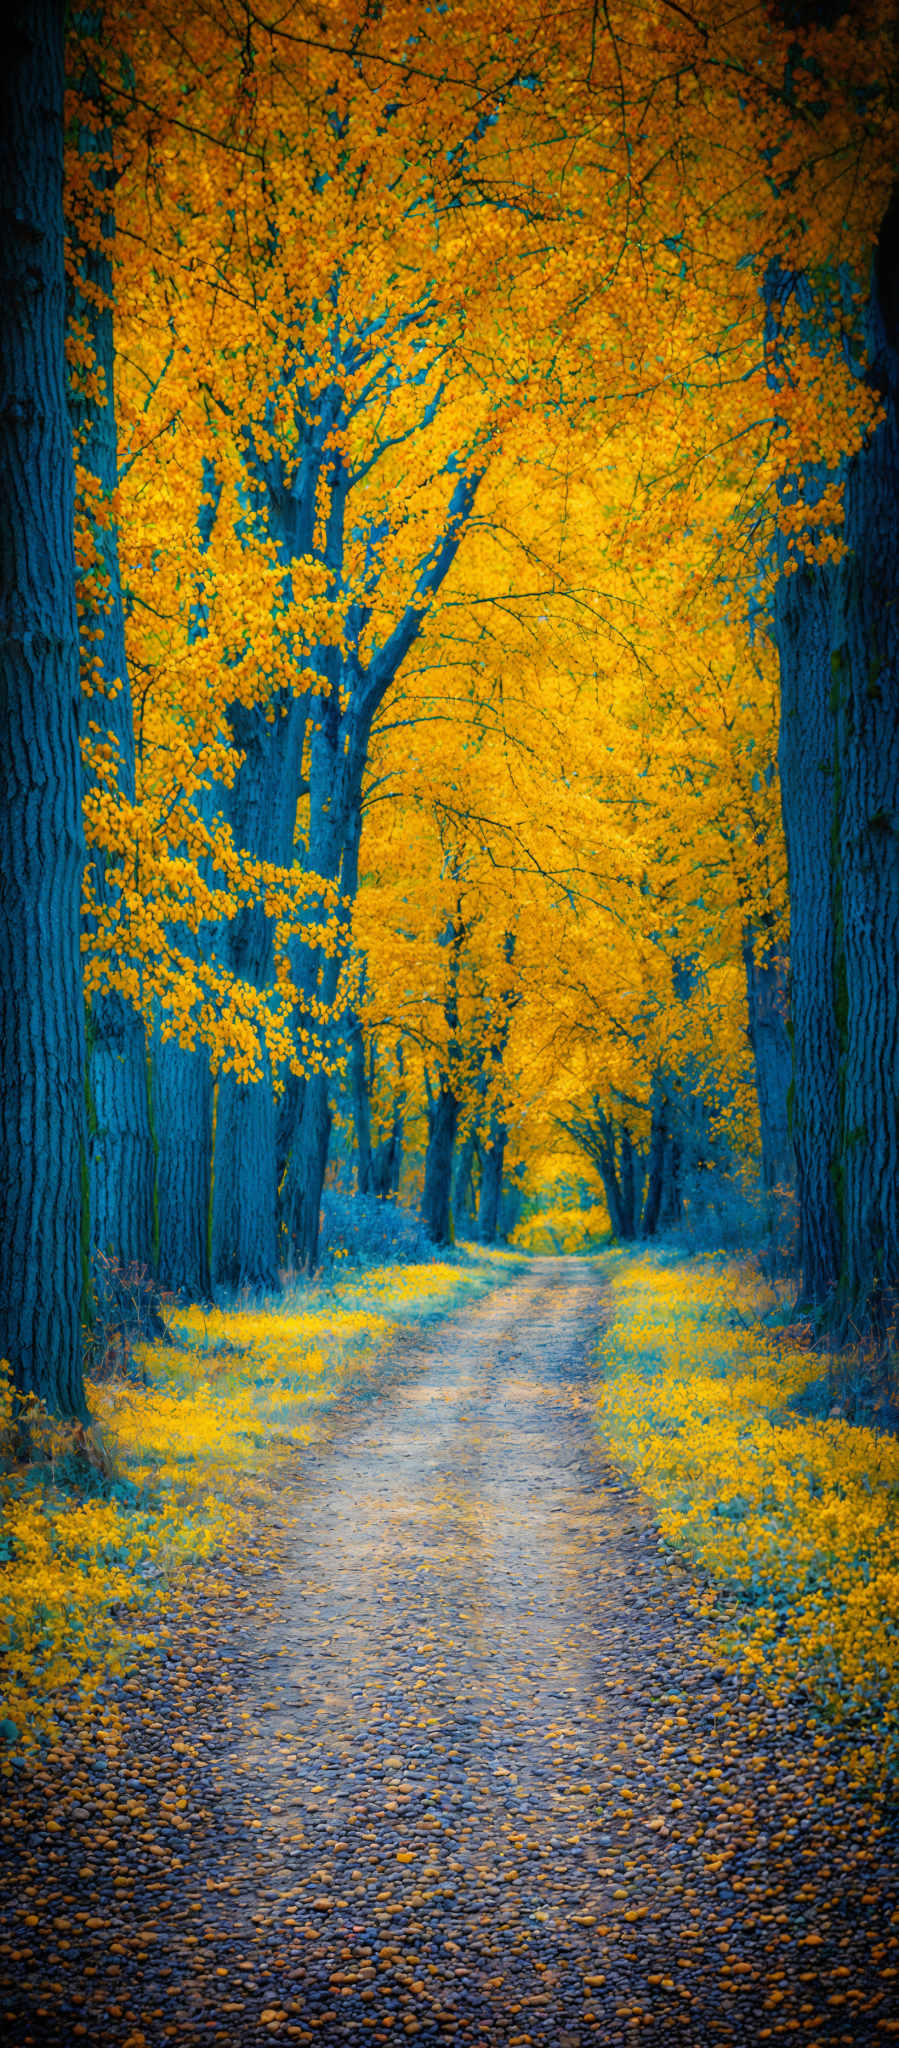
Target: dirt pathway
460 1773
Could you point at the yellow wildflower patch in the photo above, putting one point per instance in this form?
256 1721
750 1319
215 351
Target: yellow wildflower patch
798 1519
190 1441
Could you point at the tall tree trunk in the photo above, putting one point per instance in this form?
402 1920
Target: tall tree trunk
766 999
443 1103
511 1205
121 1149
361 1109
244 1173
464 1205
335 777
631 1174
806 758
443 1118
182 1108
387 1157
603 1154
244 1233
671 1206
122 1155
659 1152
42 1047
288 1111
865 637
492 1182
302 1197
245 1177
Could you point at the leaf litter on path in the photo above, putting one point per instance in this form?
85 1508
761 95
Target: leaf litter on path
448 1757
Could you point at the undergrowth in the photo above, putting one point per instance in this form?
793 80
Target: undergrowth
796 1517
92 1545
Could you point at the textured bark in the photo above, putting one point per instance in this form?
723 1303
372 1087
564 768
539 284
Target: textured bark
865 636
442 1100
491 1189
663 1197
361 1109
464 1203
443 1118
288 1111
490 1197
121 1153
630 1176
244 1238
767 1006
41 847
182 1107
602 1152
309 1159
387 1157
659 1151
609 1176
806 758
335 777
262 808
671 1207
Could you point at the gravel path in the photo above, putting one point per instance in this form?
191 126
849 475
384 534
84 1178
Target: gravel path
459 1771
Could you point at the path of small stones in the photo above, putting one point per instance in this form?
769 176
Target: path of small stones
456 1767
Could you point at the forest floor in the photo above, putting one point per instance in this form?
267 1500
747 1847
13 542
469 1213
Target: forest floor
448 1755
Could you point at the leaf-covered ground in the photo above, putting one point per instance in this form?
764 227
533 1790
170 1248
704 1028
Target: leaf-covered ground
445 1753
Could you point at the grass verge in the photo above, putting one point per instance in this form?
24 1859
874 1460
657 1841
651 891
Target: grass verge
795 1518
87 1560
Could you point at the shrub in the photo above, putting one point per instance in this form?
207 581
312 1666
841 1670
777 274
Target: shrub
129 1307
362 1230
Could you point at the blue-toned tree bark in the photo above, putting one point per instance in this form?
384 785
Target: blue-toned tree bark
353 691
262 809
436 1206
491 1188
41 846
767 1007
662 1206
121 1153
806 759
182 1115
465 1193
182 1084
387 1156
836 630
361 1106
865 682
336 764
443 1101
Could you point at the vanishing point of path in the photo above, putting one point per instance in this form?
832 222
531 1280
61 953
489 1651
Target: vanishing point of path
457 1769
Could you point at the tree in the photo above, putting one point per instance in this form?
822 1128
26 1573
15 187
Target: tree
865 667
41 835
121 1151
262 806
769 1035
374 477
838 638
